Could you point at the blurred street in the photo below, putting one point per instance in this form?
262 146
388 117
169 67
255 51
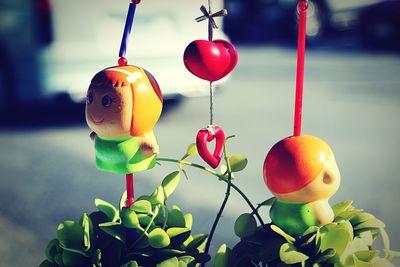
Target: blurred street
351 100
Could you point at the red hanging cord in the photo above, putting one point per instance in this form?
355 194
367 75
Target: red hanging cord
130 190
301 47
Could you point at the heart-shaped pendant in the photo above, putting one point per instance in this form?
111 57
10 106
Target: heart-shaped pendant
210 60
207 135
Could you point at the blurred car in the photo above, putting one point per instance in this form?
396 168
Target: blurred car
53 47
265 20
380 24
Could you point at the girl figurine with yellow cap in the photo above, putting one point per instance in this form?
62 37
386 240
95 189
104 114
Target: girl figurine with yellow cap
123 105
301 172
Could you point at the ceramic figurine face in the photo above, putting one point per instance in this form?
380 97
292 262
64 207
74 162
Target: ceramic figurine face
301 169
109 110
123 101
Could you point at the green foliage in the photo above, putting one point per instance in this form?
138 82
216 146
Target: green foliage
148 233
348 241
245 225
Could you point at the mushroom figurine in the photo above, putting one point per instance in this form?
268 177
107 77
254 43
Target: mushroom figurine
123 105
302 173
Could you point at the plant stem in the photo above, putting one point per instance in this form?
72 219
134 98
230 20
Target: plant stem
156 210
188 163
221 177
216 221
255 211
221 209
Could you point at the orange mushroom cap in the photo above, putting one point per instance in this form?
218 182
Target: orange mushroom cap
294 162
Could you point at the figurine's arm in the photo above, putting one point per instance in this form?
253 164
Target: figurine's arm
149 145
323 211
92 135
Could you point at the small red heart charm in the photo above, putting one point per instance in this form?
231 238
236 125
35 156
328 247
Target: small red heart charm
207 135
210 60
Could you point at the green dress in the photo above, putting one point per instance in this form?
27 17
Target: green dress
123 155
293 217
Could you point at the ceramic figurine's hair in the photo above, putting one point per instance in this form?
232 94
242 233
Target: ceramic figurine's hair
146 94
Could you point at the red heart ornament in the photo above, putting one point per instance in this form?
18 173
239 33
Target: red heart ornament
210 60
207 135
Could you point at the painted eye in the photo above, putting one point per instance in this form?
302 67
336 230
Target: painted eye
106 101
89 98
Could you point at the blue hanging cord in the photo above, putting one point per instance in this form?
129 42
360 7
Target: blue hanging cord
127 30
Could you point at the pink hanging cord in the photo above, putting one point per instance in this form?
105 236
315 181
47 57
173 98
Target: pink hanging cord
130 190
301 50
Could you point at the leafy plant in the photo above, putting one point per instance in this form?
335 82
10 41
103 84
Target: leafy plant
149 233
347 241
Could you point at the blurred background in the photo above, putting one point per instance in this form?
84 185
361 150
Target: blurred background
50 49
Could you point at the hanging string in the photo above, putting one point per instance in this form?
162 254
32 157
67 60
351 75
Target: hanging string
211 103
122 61
301 47
207 14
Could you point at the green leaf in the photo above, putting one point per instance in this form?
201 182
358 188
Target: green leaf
51 250
170 183
372 223
87 226
245 225
188 220
360 263
268 202
325 256
335 238
176 218
186 259
157 197
143 242
311 229
279 231
185 173
223 256
367 238
172 262
197 242
72 259
366 255
109 210
122 200
190 151
129 218
114 229
361 217
58 260
142 206
382 263
70 235
290 255
237 162
178 235
171 252
158 238
47 263
162 216
392 253
144 219
342 206
385 239
131 264
347 215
